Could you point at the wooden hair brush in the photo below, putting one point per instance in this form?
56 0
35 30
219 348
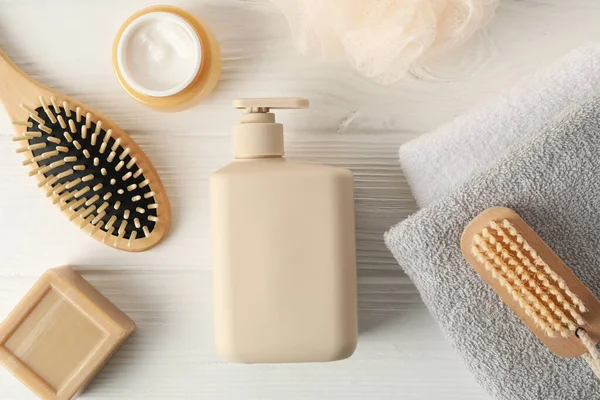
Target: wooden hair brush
88 166
535 283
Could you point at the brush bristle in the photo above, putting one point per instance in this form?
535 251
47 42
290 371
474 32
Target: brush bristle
84 168
543 294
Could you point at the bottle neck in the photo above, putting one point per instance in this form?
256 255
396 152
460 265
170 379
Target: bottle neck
258 136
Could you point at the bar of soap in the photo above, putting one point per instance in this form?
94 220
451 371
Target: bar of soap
61 334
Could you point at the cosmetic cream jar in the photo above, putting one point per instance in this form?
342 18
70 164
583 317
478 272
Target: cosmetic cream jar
165 58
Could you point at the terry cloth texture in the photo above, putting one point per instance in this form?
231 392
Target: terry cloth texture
442 160
552 179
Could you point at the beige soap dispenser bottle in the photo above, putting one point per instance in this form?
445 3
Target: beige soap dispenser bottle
284 253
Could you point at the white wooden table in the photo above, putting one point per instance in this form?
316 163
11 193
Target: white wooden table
352 122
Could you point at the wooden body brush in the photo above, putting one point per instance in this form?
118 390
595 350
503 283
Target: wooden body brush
89 167
535 283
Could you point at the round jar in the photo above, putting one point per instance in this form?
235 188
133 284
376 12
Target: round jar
165 58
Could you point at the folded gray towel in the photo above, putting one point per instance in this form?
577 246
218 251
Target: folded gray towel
552 179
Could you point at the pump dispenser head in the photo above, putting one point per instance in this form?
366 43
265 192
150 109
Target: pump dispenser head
258 135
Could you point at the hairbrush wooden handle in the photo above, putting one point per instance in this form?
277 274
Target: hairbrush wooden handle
16 86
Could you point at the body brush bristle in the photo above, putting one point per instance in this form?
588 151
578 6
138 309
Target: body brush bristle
521 271
535 283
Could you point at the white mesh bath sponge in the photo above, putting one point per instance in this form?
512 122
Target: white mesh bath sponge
383 39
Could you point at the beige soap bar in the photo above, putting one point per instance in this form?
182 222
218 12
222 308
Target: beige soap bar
61 334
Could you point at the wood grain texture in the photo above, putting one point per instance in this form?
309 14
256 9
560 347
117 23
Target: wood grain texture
66 44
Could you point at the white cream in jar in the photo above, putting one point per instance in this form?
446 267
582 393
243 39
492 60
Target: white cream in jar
159 54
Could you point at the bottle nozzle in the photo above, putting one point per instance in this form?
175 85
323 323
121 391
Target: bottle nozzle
258 135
